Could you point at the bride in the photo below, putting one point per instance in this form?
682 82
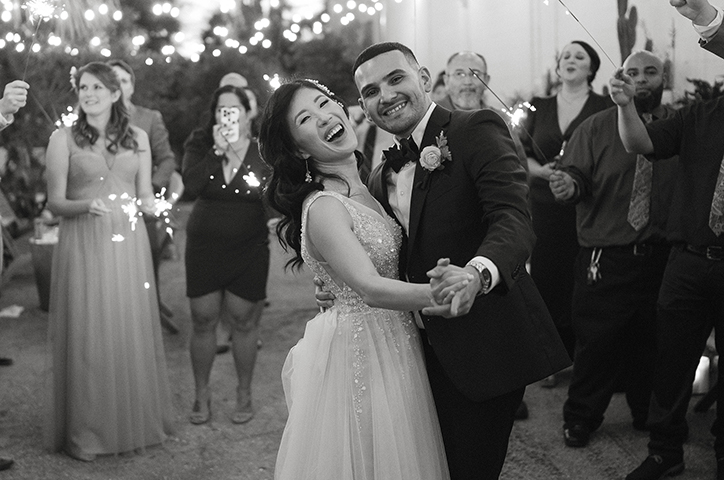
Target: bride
359 401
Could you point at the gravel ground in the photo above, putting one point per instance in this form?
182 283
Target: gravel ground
222 450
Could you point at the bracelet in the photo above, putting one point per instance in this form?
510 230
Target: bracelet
219 153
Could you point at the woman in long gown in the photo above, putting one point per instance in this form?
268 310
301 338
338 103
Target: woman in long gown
550 125
359 401
110 389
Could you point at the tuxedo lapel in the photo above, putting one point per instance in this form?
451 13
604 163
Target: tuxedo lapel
439 120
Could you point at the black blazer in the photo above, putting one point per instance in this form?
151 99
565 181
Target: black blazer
477 205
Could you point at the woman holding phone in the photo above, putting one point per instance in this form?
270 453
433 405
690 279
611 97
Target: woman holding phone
227 253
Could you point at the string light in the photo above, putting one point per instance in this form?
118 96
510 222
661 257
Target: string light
313 24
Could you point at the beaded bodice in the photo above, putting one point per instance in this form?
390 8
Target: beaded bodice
380 238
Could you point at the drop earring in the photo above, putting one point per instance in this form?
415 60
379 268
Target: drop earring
308 175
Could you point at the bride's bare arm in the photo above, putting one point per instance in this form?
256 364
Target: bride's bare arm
330 231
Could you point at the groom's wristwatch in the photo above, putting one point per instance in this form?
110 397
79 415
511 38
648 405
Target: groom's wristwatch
485 278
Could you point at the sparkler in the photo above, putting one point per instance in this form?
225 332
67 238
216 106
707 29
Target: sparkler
568 11
513 114
39 11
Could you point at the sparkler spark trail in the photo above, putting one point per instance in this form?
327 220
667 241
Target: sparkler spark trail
511 113
40 11
568 10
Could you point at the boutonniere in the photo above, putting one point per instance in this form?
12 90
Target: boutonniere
433 156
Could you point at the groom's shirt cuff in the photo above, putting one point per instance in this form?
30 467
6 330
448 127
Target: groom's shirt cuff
494 273
708 31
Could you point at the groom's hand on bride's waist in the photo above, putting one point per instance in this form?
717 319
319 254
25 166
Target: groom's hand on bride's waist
324 298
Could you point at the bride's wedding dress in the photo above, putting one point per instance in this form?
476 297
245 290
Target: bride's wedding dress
360 406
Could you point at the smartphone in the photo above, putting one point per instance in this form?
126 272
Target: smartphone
229 117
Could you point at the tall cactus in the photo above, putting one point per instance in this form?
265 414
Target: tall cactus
626 28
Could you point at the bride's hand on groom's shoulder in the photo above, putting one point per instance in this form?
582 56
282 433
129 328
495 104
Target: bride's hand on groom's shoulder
451 290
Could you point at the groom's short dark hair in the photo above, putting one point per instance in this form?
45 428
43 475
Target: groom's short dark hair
379 48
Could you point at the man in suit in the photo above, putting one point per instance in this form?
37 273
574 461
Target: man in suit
164 166
473 212
14 97
707 21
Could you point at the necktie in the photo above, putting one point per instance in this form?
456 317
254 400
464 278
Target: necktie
716 216
640 204
396 158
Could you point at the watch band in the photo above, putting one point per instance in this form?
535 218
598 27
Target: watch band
484 274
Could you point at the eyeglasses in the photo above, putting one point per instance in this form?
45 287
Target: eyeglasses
463 74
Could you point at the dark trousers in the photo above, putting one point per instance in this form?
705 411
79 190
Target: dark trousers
552 263
614 320
475 434
691 302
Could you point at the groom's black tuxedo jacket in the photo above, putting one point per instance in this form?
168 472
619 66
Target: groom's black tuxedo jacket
477 205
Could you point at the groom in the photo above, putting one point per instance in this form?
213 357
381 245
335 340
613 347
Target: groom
471 209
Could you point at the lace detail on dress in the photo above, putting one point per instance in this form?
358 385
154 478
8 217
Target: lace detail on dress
381 240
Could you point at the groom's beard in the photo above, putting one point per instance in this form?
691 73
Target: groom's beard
647 101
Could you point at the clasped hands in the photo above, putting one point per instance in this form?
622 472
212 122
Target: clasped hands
453 290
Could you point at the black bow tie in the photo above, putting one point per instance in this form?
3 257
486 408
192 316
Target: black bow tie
396 158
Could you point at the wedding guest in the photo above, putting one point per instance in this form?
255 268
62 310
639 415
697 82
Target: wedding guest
223 331
227 253
550 125
622 205
110 391
164 166
690 302
15 96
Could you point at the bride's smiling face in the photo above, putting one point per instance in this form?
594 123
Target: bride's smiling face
319 127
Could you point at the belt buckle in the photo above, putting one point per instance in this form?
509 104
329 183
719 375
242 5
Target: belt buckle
714 253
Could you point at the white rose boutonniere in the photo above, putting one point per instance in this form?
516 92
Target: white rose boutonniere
433 156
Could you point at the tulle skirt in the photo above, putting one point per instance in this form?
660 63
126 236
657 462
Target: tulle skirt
360 406
109 388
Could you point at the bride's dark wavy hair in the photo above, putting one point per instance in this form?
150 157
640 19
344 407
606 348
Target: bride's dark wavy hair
118 131
288 187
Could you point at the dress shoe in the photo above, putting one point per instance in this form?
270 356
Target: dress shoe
5 362
522 412
720 468
656 467
5 463
576 435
